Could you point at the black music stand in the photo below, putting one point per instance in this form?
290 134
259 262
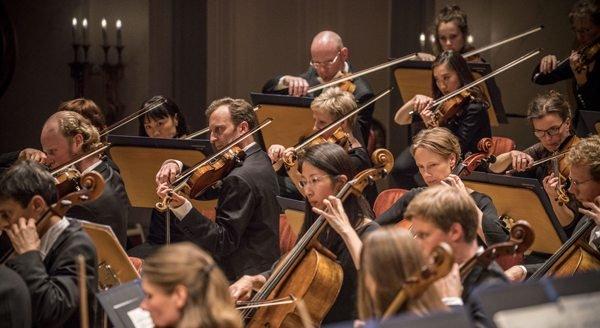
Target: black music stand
292 118
522 199
414 77
456 318
122 305
589 123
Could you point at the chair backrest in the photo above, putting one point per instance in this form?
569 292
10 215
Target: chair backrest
501 145
386 199
287 235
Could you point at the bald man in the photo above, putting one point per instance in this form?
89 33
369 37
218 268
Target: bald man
329 60
65 136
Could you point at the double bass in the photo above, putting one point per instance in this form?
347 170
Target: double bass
306 272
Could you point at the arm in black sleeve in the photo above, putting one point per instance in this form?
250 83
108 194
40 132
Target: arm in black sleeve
561 72
473 126
493 229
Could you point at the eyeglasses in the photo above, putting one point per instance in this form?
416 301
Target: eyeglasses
551 132
579 183
312 181
325 63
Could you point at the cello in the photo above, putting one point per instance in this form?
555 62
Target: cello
306 272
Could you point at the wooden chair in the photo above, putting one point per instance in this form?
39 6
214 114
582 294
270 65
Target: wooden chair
386 199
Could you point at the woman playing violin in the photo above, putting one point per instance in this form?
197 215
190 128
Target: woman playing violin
325 168
469 125
165 121
437 152
550 117
581 64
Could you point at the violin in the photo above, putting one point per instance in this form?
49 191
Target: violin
307 268
587 55
197 179
442 261
67 181
92 185
521 238
449 109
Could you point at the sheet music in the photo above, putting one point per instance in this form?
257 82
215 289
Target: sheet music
140 318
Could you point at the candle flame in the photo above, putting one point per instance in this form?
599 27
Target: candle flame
118 24
470 39
103 23
432 38
422 37
84 23
74 22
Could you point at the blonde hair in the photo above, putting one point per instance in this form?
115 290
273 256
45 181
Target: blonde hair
443 206
390 256
587 152
72 123
209 303
438 140
336 103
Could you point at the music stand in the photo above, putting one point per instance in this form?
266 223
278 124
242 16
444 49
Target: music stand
140 158
114 267
589 123
294 212
292 118
414 77
122 304
456 318
522 199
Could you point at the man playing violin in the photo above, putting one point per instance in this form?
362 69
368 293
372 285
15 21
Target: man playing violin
329 60
244 237
67 135
45 251
441 214
550 118
581 64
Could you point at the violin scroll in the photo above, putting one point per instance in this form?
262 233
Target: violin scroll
383 157
383 161
442 261
92 185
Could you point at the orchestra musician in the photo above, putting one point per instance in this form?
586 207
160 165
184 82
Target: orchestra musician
585 22
15 308
549 115
584 176
437 153
325 168
45 252
184 287
329 60
66 135
469 125
244 238
440 214
329 106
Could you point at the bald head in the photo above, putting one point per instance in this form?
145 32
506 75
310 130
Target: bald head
327 39
328 54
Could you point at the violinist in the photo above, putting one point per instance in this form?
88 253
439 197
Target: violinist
65 136
329 60
581 63
437 153
185 288
397 251
440 214
45 252
329 106
244 237
469 125
550 117
165 121
325 168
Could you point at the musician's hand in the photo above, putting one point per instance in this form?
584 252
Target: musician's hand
297 86
335 214
421 103
515 273
24 236
592 209
550 183
167 172
164 189
241 290
574 62
450 285
456 182
520 160
425 56
33 155
276 152
548 64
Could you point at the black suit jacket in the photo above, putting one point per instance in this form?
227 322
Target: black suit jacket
15 304
244 239
478 279
52 282
111 208
362 94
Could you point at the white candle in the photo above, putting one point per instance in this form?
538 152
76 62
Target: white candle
470 39
119 25
422 41
104 35
84 24
74 30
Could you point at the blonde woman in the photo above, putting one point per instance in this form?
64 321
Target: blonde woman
185 288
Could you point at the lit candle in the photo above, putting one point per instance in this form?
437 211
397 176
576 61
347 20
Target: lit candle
432 39
74 30
84 24
104 35
119 25
422 41
470 39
